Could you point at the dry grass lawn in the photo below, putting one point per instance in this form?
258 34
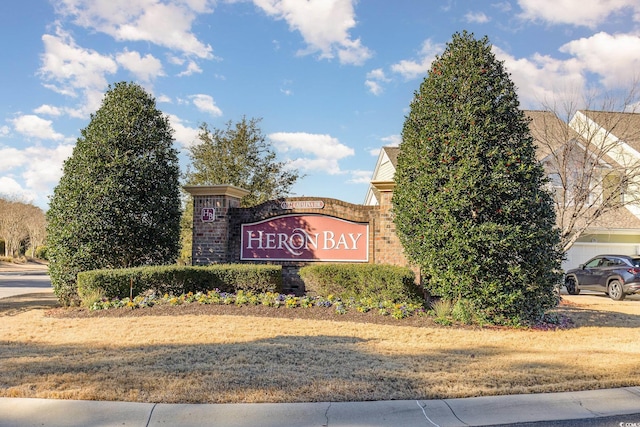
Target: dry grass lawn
213 358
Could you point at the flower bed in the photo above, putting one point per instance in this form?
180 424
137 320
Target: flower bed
269 299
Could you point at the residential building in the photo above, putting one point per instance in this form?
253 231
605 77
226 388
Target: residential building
593 163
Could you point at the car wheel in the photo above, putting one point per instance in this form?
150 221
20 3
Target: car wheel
615 290
572 287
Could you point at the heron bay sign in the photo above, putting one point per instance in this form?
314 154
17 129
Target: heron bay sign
305 238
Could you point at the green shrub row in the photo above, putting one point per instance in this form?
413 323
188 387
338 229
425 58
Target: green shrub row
178 280
378 282
41 252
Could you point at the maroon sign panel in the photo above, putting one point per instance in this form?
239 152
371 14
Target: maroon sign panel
305 238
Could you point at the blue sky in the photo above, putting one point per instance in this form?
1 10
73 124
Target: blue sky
330 79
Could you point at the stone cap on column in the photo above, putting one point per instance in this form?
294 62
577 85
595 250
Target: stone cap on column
216 190
384 185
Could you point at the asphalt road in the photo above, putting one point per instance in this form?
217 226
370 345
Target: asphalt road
18 283
632 420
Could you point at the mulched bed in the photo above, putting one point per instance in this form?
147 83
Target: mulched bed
313 313
47 301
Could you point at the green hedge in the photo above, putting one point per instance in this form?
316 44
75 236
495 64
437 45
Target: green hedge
41 252
378 282
178 280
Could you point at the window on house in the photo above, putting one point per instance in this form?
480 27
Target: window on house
555 180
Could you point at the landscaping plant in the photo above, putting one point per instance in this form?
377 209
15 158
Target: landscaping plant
117 204
470 203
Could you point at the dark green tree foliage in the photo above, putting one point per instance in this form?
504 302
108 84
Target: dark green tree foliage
471 208
118 202
240 155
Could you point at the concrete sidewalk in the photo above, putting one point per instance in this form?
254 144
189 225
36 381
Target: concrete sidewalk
477 411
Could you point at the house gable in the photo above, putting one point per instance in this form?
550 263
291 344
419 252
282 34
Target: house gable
548 127
383 173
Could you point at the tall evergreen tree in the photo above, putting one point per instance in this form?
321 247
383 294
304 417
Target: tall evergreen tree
118 201
471 207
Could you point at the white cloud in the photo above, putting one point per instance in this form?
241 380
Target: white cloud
353 52
44 167
48 110
588 13
504 6
411 69
192 68
71 67
185 136
360 177
61 90
33 126
325 150
175 60
12 158
10 187
374 80
616 58
39 167
163 99
284 87
392 140
476 17
377 74
92 102
166 24
205 103
324 26
374 87
4 131
540 78
145 68
388 141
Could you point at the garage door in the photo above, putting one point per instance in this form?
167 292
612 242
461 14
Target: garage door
582 252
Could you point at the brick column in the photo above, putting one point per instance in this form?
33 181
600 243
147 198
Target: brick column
211 204
388 248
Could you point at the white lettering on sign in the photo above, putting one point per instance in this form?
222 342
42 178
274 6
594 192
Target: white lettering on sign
302 204
300 239
208 214
305 238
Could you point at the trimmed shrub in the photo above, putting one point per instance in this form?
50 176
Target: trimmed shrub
472 206
377 282
41 252
178 280
117 204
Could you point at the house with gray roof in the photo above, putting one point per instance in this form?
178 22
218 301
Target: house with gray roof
593 165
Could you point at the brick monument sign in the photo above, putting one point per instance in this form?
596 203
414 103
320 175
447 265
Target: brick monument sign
291 232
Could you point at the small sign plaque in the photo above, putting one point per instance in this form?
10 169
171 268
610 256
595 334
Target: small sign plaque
208 214
302 204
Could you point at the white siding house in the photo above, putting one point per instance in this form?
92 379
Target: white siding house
615 231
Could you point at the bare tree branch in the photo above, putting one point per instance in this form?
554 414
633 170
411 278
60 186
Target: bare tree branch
592 157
